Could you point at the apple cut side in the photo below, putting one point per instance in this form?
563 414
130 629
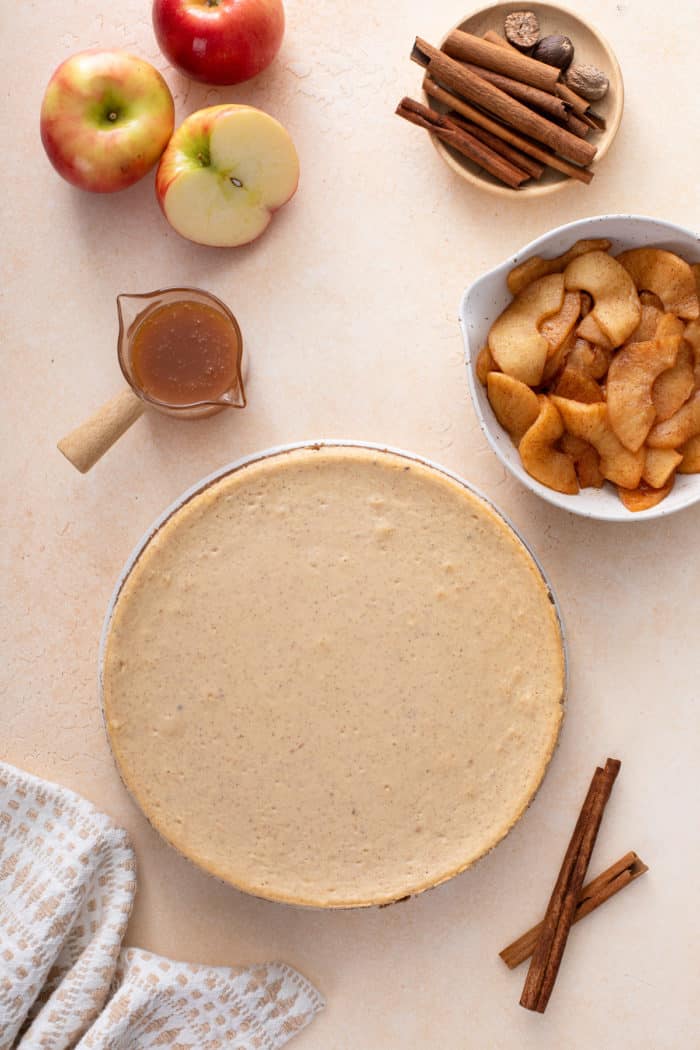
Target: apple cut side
226 170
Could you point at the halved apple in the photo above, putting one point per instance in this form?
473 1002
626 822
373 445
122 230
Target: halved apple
226 170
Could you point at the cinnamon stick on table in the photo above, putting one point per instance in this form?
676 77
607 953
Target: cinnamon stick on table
459 139
463 82
547 956
507 134
597 892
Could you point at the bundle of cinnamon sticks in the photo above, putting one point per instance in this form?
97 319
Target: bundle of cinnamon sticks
508 113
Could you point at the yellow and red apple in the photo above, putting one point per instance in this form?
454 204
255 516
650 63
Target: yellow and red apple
106 118
219 41
224 173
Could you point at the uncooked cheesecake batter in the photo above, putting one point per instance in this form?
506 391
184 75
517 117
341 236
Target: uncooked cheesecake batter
334 677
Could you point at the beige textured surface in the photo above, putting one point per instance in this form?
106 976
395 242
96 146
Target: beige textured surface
348 307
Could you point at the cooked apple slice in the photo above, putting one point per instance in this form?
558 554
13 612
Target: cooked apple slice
573 446
659 465
692 336
527 272
226 170
539 456
517 346
484 364
590 330
648 322
577 386
592 360
616 308
644 497
666 274
590 422
631 377
676 431
690 464
586 461
555 363
673 387
651 299
588 470
514 404
559 326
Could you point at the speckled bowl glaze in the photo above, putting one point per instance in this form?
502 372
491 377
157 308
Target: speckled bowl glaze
484 300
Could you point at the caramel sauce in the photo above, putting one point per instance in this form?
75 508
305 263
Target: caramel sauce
185 352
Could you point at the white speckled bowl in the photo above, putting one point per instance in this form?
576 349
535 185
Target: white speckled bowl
484 300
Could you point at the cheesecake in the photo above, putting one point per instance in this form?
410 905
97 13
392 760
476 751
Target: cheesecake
333 677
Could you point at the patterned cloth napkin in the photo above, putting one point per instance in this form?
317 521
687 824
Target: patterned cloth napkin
67 884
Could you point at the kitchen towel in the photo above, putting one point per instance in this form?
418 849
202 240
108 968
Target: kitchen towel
67 884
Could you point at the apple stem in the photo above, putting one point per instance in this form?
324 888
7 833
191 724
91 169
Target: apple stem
112 116
236 182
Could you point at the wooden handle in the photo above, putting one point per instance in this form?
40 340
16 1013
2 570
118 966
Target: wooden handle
89 442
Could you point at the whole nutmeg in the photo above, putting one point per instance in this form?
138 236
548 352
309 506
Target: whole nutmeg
587 81
555 50
522 29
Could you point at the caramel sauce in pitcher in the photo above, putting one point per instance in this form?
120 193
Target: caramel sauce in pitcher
185 352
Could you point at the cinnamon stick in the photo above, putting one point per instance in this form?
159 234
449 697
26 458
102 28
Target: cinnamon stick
596 119
515 156
463 82
531 96
597 892
576 125
495 38
459 139
564 92
470 48
507 134
549 949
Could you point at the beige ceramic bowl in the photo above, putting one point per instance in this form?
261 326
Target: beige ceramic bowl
589 47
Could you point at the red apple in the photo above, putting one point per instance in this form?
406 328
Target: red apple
105 120
225 171
219 41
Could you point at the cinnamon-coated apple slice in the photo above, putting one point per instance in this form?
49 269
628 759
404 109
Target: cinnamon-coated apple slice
226 170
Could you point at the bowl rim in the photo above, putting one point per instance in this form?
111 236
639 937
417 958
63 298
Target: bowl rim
620 514
277 450
537 190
